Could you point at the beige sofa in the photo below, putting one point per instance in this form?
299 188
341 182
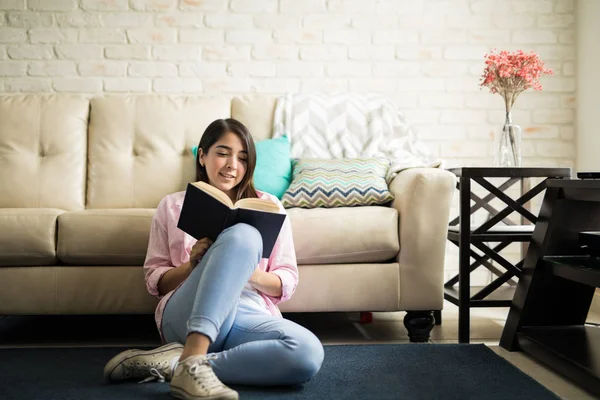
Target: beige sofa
80 178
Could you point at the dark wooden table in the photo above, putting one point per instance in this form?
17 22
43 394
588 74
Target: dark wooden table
548 313
498 229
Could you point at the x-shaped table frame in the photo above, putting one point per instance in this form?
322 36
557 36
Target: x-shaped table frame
488 232
512 270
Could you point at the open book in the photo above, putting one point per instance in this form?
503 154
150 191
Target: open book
207 211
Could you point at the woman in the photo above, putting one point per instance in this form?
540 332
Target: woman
219 299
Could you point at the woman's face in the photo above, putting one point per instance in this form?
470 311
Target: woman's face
225 163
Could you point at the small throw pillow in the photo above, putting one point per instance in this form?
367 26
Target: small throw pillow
273 171
338 183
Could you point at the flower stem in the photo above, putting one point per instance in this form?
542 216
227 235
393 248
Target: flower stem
511 137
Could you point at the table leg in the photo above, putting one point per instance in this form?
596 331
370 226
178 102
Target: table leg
464 246
525 187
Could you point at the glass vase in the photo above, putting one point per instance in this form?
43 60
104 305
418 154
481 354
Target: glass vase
508 144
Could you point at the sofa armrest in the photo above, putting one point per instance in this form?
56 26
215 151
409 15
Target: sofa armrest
423 198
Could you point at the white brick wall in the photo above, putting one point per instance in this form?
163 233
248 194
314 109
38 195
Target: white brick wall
78 51
426 55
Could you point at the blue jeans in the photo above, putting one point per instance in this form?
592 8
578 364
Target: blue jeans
252 348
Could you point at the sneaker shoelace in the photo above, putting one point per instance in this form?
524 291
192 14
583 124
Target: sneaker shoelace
203 373
155 375
158 372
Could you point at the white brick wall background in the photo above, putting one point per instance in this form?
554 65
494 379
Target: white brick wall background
426 55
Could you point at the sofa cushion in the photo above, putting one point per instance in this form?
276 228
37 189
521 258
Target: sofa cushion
43 145
140 146
28 236
256 111
338 183
104 237
345 234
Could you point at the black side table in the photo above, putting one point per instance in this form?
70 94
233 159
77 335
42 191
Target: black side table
495 294
547 319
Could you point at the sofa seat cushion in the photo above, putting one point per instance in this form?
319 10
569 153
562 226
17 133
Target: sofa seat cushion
104 236
28 236
345 234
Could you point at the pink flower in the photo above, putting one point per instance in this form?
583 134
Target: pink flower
510 74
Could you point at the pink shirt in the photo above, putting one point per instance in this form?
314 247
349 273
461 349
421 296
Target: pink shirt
170 247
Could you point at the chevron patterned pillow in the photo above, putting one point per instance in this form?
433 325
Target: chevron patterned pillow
338 183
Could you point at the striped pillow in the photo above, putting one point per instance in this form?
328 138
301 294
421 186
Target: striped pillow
338 183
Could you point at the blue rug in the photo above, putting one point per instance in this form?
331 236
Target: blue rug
405 371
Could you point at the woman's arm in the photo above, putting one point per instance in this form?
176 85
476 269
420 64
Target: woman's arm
158 260
173 278
267 282
281 278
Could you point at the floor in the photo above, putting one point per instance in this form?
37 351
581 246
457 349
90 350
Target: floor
486 327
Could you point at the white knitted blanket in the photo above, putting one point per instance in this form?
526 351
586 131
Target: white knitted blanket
349 126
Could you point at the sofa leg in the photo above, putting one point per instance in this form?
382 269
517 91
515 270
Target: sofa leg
437 314
366 317
419 325
362 317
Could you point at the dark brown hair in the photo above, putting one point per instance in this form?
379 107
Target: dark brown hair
211 135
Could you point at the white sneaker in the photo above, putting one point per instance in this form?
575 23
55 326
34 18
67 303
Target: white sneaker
152 364
194 379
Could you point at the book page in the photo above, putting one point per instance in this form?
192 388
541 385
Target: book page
214 192
257 204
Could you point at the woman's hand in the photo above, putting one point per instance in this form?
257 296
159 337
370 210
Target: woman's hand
173 277
198 250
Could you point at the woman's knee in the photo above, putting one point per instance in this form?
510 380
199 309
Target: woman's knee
243 236
307 358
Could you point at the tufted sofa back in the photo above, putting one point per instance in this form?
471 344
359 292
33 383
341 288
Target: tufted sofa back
43 142
140 147
72 152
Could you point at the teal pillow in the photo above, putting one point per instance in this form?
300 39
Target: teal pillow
273 172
